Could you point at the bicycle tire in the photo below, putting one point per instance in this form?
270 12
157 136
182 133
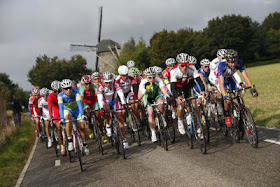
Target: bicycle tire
162 132
171 132
136 135
251 128
120 139
65 142
115 138
78 151
201 141
188 135
234 129
55 143
98 137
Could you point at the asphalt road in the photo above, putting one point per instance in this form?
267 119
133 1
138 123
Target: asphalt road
225 164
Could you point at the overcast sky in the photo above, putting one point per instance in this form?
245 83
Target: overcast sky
30 28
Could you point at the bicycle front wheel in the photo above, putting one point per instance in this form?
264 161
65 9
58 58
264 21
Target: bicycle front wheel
135 129
79 151
162 132
250 127
199 134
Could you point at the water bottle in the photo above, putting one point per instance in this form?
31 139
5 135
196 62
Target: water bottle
234 112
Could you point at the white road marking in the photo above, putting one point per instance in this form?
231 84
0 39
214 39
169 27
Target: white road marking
272 141
270 128
57 163
20 179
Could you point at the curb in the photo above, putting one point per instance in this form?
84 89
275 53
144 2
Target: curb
22 174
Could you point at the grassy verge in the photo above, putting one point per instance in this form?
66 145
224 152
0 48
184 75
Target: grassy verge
261 63
15 152
265 108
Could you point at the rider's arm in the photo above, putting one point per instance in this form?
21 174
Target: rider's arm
121 95
134 89
142 89
31 106
50 105
79 103
82 94
162 86
237 78
222 86
200 80
246 77
174 87
100 96
61 107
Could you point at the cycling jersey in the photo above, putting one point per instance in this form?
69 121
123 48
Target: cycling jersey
166 74
96 106
205 75
89 97
225 71
109 95
70 104
43 104
33 104
125 85
181 78
53 106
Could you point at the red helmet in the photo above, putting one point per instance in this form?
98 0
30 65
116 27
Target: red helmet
86 79
35 90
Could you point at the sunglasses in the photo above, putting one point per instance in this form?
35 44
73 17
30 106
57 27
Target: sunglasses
87 83
69 88
171 65
206 66
152 77
135 76
184 66
107 82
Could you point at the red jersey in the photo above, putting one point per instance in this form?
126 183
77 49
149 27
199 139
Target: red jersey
166 74
53 106
33 104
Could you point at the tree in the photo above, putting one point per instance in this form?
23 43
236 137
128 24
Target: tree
272 21
48 69
272 43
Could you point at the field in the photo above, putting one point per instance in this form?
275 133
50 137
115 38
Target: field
265 108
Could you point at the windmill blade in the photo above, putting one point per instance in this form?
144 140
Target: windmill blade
82 48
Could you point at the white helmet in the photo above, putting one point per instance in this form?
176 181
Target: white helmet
35 90
66 83
192 60
157 70
204 62
221 53
55 85
123 70
130 64
95 74
149 71
107 76
182 58
170 61
44 91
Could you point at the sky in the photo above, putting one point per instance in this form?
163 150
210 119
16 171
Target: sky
29 28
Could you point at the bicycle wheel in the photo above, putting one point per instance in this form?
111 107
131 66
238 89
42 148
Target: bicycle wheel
234 129
120 140
135 129
78 150
55 143
162 132
250 127
188 135
98 137
170 129
199 133
65 144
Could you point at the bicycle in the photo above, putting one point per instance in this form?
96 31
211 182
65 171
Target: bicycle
170 129
78 145
245 118
117 138
192 128
160 128
65 141
54 136
144 120
43 136
133 127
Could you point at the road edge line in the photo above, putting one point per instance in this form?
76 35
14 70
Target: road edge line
22 174
272 141
270 128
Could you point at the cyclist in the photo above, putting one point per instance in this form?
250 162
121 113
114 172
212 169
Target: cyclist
70 105
134 72
44 112
110 97
125 82
226 70
33 104
180 83
88 99
54 112
96 80
170 63
149 90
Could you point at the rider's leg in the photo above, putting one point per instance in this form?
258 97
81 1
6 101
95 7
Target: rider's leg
121 123
47 124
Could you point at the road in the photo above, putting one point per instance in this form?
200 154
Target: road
225 164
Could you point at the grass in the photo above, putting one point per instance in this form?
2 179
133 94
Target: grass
265 108
15 152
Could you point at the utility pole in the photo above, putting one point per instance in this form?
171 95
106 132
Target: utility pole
99 37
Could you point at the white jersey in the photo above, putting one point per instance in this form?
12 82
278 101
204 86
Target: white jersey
42 103
181 78
157 82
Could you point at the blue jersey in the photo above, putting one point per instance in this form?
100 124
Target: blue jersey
70 103
205 75
225 71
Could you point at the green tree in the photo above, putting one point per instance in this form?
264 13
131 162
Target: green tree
48 69
272 43
272 21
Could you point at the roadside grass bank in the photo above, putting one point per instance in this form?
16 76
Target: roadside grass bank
265 108
261 63
15 152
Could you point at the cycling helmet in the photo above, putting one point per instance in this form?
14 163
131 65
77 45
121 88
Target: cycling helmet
170 62
182 58
86 79
134 71
66 83
123 70
192 60
130 64
55 85
107 76
204 62
149 71
158 70
35 90
231 55
44 91
95 74
221 53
